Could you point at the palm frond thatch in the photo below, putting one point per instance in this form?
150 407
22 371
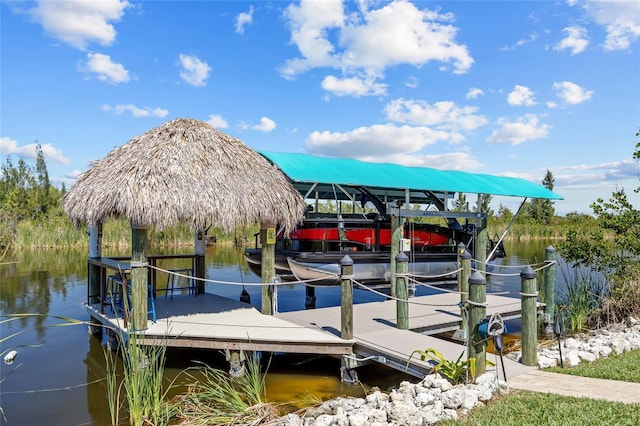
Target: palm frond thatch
184 171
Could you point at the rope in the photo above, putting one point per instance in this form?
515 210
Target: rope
446 274
402 300
536 294
207 280
479 304
444 290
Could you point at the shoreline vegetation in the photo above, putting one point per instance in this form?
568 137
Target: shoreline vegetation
58 232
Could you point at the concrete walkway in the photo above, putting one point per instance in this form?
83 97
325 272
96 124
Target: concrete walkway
583 387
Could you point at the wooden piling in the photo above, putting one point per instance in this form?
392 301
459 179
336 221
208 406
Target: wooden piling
529 297
549 288
139 276
402 292
396 235
346 298
267 240
464 262
477 311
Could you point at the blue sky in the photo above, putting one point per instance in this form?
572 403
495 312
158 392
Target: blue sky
506 88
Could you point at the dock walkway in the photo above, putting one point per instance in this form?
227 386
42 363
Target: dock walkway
376 336
215 322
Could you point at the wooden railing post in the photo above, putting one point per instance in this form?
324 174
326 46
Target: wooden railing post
529 297
346 298
402 291
549 288
396 234
268 243
464 262
477 311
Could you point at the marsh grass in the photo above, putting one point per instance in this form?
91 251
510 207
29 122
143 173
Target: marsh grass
217 398
584 294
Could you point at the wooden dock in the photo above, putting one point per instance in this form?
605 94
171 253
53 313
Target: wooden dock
214 322
377 338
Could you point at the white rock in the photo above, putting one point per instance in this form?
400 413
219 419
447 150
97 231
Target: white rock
470 399
571 343
453 398
546 362
586 356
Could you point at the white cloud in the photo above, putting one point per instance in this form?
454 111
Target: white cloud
451 161
366 42
571 93
474 92
194 71
266 125
353 86
443 115
380 140
136 111
620 19
522 42
106 70
10 146
217 121
521 95
243 19
525 128
576 40
79 22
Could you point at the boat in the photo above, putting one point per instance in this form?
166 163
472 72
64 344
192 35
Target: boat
312 252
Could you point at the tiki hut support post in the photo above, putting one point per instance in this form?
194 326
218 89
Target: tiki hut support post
268 242
199 249
95 251
139 276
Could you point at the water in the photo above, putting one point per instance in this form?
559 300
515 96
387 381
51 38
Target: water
58 375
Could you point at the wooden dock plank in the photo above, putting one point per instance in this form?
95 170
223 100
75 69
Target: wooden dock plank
211 321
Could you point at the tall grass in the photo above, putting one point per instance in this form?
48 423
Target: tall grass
57 231
217 398
584 294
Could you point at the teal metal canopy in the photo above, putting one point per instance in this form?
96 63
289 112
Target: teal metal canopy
304 168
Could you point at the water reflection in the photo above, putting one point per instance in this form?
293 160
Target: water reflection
59 379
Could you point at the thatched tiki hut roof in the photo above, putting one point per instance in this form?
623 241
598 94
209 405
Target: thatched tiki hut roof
184 171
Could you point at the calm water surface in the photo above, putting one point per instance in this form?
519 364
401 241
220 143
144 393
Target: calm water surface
58 375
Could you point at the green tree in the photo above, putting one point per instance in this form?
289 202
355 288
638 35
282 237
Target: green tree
612 248
460 204
485 202
539 209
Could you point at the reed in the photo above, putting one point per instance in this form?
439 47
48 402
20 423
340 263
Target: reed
584 293
217 398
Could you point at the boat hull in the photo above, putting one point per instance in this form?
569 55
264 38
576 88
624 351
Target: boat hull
323 268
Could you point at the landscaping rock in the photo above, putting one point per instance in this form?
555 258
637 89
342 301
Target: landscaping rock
435 398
